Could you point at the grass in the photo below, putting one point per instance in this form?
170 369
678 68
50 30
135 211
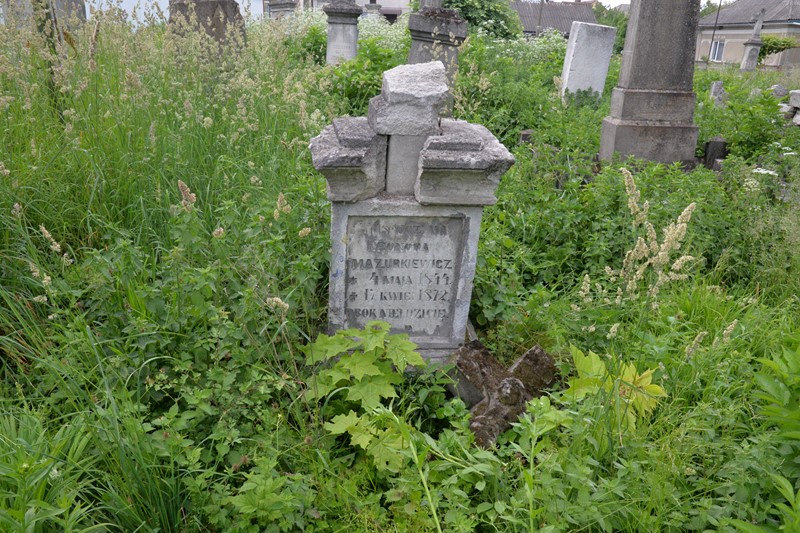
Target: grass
154 340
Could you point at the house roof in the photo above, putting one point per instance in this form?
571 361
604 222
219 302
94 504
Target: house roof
559 16
745 12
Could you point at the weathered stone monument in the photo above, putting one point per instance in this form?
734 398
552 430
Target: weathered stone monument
436 34
753 45
719 97
277 9
342 30
589 51
407 191
216 17
652 107
373 9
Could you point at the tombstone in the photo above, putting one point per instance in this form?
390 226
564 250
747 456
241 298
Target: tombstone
436 34
277 9
407 191
342 30
715 151
373 9
589 51
779 91
215 17
752 46
652 107
718 95
794 98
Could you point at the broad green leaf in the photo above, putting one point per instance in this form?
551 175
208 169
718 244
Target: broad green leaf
370 391
588 366
374 335
401 352
340 424
360 365
326 347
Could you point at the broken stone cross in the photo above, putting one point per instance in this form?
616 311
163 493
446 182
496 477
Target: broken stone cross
407 191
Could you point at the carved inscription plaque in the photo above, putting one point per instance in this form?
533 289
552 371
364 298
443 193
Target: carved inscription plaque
404 271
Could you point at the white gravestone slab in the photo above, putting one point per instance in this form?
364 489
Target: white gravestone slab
588 55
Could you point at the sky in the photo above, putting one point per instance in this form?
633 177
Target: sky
257 10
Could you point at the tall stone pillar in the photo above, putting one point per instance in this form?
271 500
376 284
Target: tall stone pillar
342 30
436 34
21 11
372 9
753 46
652 107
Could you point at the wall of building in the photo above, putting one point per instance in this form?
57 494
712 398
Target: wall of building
734 45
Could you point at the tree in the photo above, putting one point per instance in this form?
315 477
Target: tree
493 16
773 44
615 18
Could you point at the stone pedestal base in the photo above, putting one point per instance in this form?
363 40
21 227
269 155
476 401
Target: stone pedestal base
655 141
750 57
650 124
276 9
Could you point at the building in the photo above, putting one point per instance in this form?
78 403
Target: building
558 16
391 9
722 40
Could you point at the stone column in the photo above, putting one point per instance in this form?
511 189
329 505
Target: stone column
373 9
276 9
652 107
404 242
342 30
213 16
436 34
588 55
753 46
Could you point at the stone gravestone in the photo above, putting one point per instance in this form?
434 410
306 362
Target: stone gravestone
753 45
719 96
216 17
436 34
342 30
652 107
406 215
588 55
277 9
373 9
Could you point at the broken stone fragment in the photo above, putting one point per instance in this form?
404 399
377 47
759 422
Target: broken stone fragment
461 166
412 96
779 91
352 158
498 396
794 98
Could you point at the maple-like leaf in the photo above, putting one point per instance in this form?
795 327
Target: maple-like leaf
360 365
370 391
340 424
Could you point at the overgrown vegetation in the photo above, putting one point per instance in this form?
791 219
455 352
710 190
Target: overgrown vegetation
163 293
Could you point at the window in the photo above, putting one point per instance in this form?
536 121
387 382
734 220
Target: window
717 49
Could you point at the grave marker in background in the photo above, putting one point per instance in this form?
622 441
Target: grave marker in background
436 34
215 17
753 45
405 241
652 107
342 30
588 55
